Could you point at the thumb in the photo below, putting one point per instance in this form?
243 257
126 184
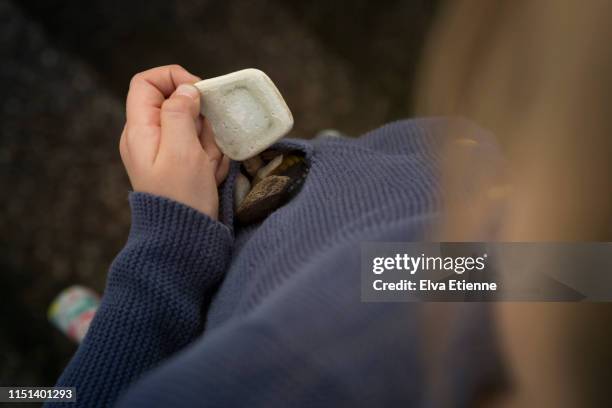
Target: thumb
179 117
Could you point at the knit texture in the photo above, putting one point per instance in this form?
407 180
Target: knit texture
203 313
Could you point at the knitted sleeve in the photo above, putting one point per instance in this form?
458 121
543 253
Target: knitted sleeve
153 303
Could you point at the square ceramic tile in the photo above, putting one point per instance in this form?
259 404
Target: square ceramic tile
246 111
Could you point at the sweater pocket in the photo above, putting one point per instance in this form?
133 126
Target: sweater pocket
257 187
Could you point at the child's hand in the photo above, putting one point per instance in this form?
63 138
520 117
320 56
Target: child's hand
167 148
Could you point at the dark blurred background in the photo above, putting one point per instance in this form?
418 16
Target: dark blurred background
64 72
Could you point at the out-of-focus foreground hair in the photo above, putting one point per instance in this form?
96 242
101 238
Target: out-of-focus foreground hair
538 74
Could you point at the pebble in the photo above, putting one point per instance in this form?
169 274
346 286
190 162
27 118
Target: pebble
272 186
268 169
242 187
269 154
246 111
252 165
288 162
264 198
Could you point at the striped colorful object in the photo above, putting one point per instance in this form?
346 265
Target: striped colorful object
72 311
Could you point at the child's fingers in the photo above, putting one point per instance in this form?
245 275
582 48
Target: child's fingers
207 139
123 150
179 114
144 142
138 146
149 89
199 125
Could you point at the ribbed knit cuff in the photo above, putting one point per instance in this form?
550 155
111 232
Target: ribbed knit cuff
161 216
171 247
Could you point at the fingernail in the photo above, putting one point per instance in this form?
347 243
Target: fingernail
188 90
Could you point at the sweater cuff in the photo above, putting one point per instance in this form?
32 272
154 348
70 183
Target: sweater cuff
152 214
171 242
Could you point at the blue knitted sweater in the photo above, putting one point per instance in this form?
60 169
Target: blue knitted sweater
199 313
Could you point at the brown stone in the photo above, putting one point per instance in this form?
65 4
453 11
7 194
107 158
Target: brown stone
265 197
252 165
289 161
269 154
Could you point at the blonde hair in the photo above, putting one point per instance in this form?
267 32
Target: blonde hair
539 75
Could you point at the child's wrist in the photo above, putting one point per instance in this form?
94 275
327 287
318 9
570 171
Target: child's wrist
170 220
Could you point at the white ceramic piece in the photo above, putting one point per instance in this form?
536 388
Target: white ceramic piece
246 111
